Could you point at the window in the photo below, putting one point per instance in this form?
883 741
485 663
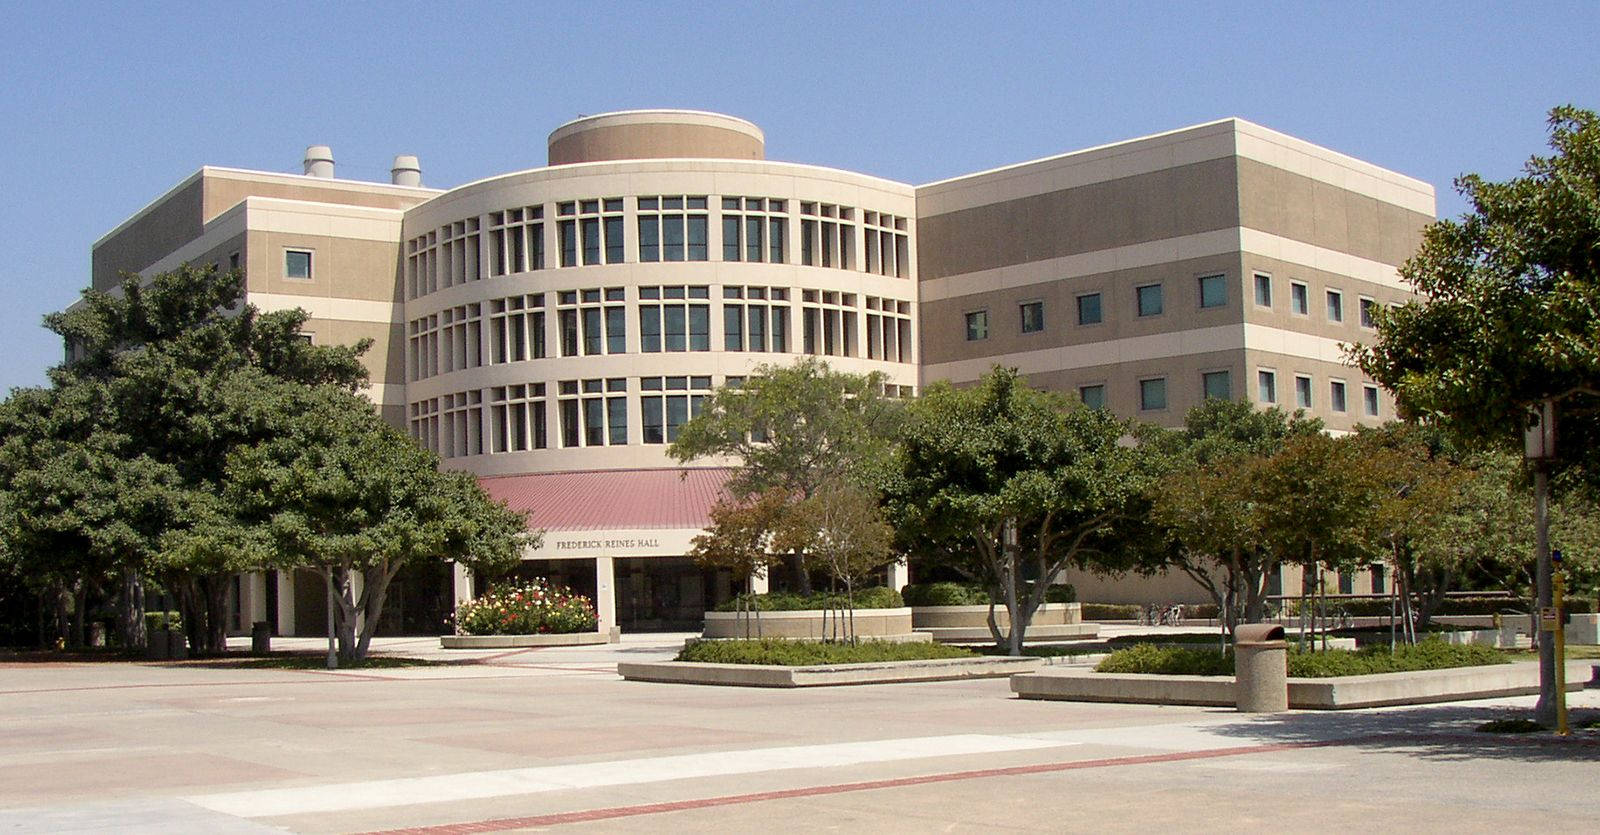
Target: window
590 231
889 329
584 321
888 248
594 412
977 325
1089 309
1335 306
516 329
1263 289
1299 299
1216 385
1153 394
670 320
456 431
753 229
1266 386
1032 317
297 263
827 235
1093 396
516 243
672 228
1369 399
1336 395
1213 291
750 324
233 261
517 418
668 403
1302 391
1149 298
1364 312
828 323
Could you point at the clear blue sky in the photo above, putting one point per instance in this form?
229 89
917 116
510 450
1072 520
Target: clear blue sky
104 107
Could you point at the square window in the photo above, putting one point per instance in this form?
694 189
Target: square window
977 325
1266 386
1093 396
1299 299
1369 398
1217 386
1263 289
1149 297
1302 391
1336 396
1032 317
296 263
1089 309
1153 394
1364 312
1335 306
1213 291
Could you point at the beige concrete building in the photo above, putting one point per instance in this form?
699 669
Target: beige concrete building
550 329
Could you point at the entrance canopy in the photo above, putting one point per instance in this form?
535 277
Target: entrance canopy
608 500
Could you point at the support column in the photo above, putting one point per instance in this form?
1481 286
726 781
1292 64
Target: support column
605 597
760 583
255 608
899 575
461 577
286 604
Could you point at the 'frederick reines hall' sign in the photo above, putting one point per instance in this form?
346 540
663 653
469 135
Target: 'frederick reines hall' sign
605 544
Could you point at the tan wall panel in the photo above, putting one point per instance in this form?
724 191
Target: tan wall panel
340 267
1178 201
1184 388
385 360
223 193
944 337
654 141
1318 283
159 231
1294 206
1322 373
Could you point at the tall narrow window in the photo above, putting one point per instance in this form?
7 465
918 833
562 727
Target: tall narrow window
1369 400
1302 391
977 325
1263 289
1336 395
1266 386
1299 298
1364 312
1032 317
1335 306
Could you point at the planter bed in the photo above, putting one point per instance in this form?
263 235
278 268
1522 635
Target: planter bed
826 675
565 639
1341 693
812 625
970 624
1037 633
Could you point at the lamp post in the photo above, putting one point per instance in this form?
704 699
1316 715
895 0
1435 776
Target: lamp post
1539 447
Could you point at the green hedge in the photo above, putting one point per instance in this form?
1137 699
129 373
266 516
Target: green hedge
156 620
971 594
1379 607
1428 655
1111 611
806 653
877 597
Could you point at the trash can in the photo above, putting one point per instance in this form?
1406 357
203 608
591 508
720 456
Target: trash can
1260 668
260 638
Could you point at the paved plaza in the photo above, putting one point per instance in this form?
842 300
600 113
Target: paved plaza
548 738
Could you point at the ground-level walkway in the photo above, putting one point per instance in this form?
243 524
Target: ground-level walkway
548 737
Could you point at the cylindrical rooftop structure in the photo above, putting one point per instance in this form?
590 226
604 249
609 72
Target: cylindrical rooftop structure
406 171
656 134
319 161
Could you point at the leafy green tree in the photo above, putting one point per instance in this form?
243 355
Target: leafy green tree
741 538
1207 505
794 429
337 490
842 526
1010 484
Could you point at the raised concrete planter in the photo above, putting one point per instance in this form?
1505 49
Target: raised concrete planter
811 625
970 624
567 639
1584 629
1345 693
826 675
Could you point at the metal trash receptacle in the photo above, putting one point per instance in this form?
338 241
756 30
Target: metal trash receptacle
1260 668
260 638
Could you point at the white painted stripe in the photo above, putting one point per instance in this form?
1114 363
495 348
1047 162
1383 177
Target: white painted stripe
1154 253
374 794
1233 337
325 307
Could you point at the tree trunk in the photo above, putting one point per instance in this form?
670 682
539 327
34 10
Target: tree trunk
802 577
375 589
63 609
131 609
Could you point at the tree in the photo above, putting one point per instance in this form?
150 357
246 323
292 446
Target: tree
1511 298
1207 505
337 490
1007 483
793 429
740 538
843 526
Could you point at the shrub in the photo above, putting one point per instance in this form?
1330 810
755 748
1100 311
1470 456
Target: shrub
156 620
876 597
1379 606
1110 611
806 653
1061 593
971 594
527 609
1428 655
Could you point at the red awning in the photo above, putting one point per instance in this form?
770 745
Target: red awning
612 499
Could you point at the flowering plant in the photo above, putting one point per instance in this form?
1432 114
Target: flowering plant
530 608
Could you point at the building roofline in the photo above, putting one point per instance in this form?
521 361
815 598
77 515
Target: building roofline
568 128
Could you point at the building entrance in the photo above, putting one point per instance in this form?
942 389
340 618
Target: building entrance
667 594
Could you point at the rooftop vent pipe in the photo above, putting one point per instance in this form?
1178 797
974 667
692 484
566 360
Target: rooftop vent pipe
406 171
319 162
